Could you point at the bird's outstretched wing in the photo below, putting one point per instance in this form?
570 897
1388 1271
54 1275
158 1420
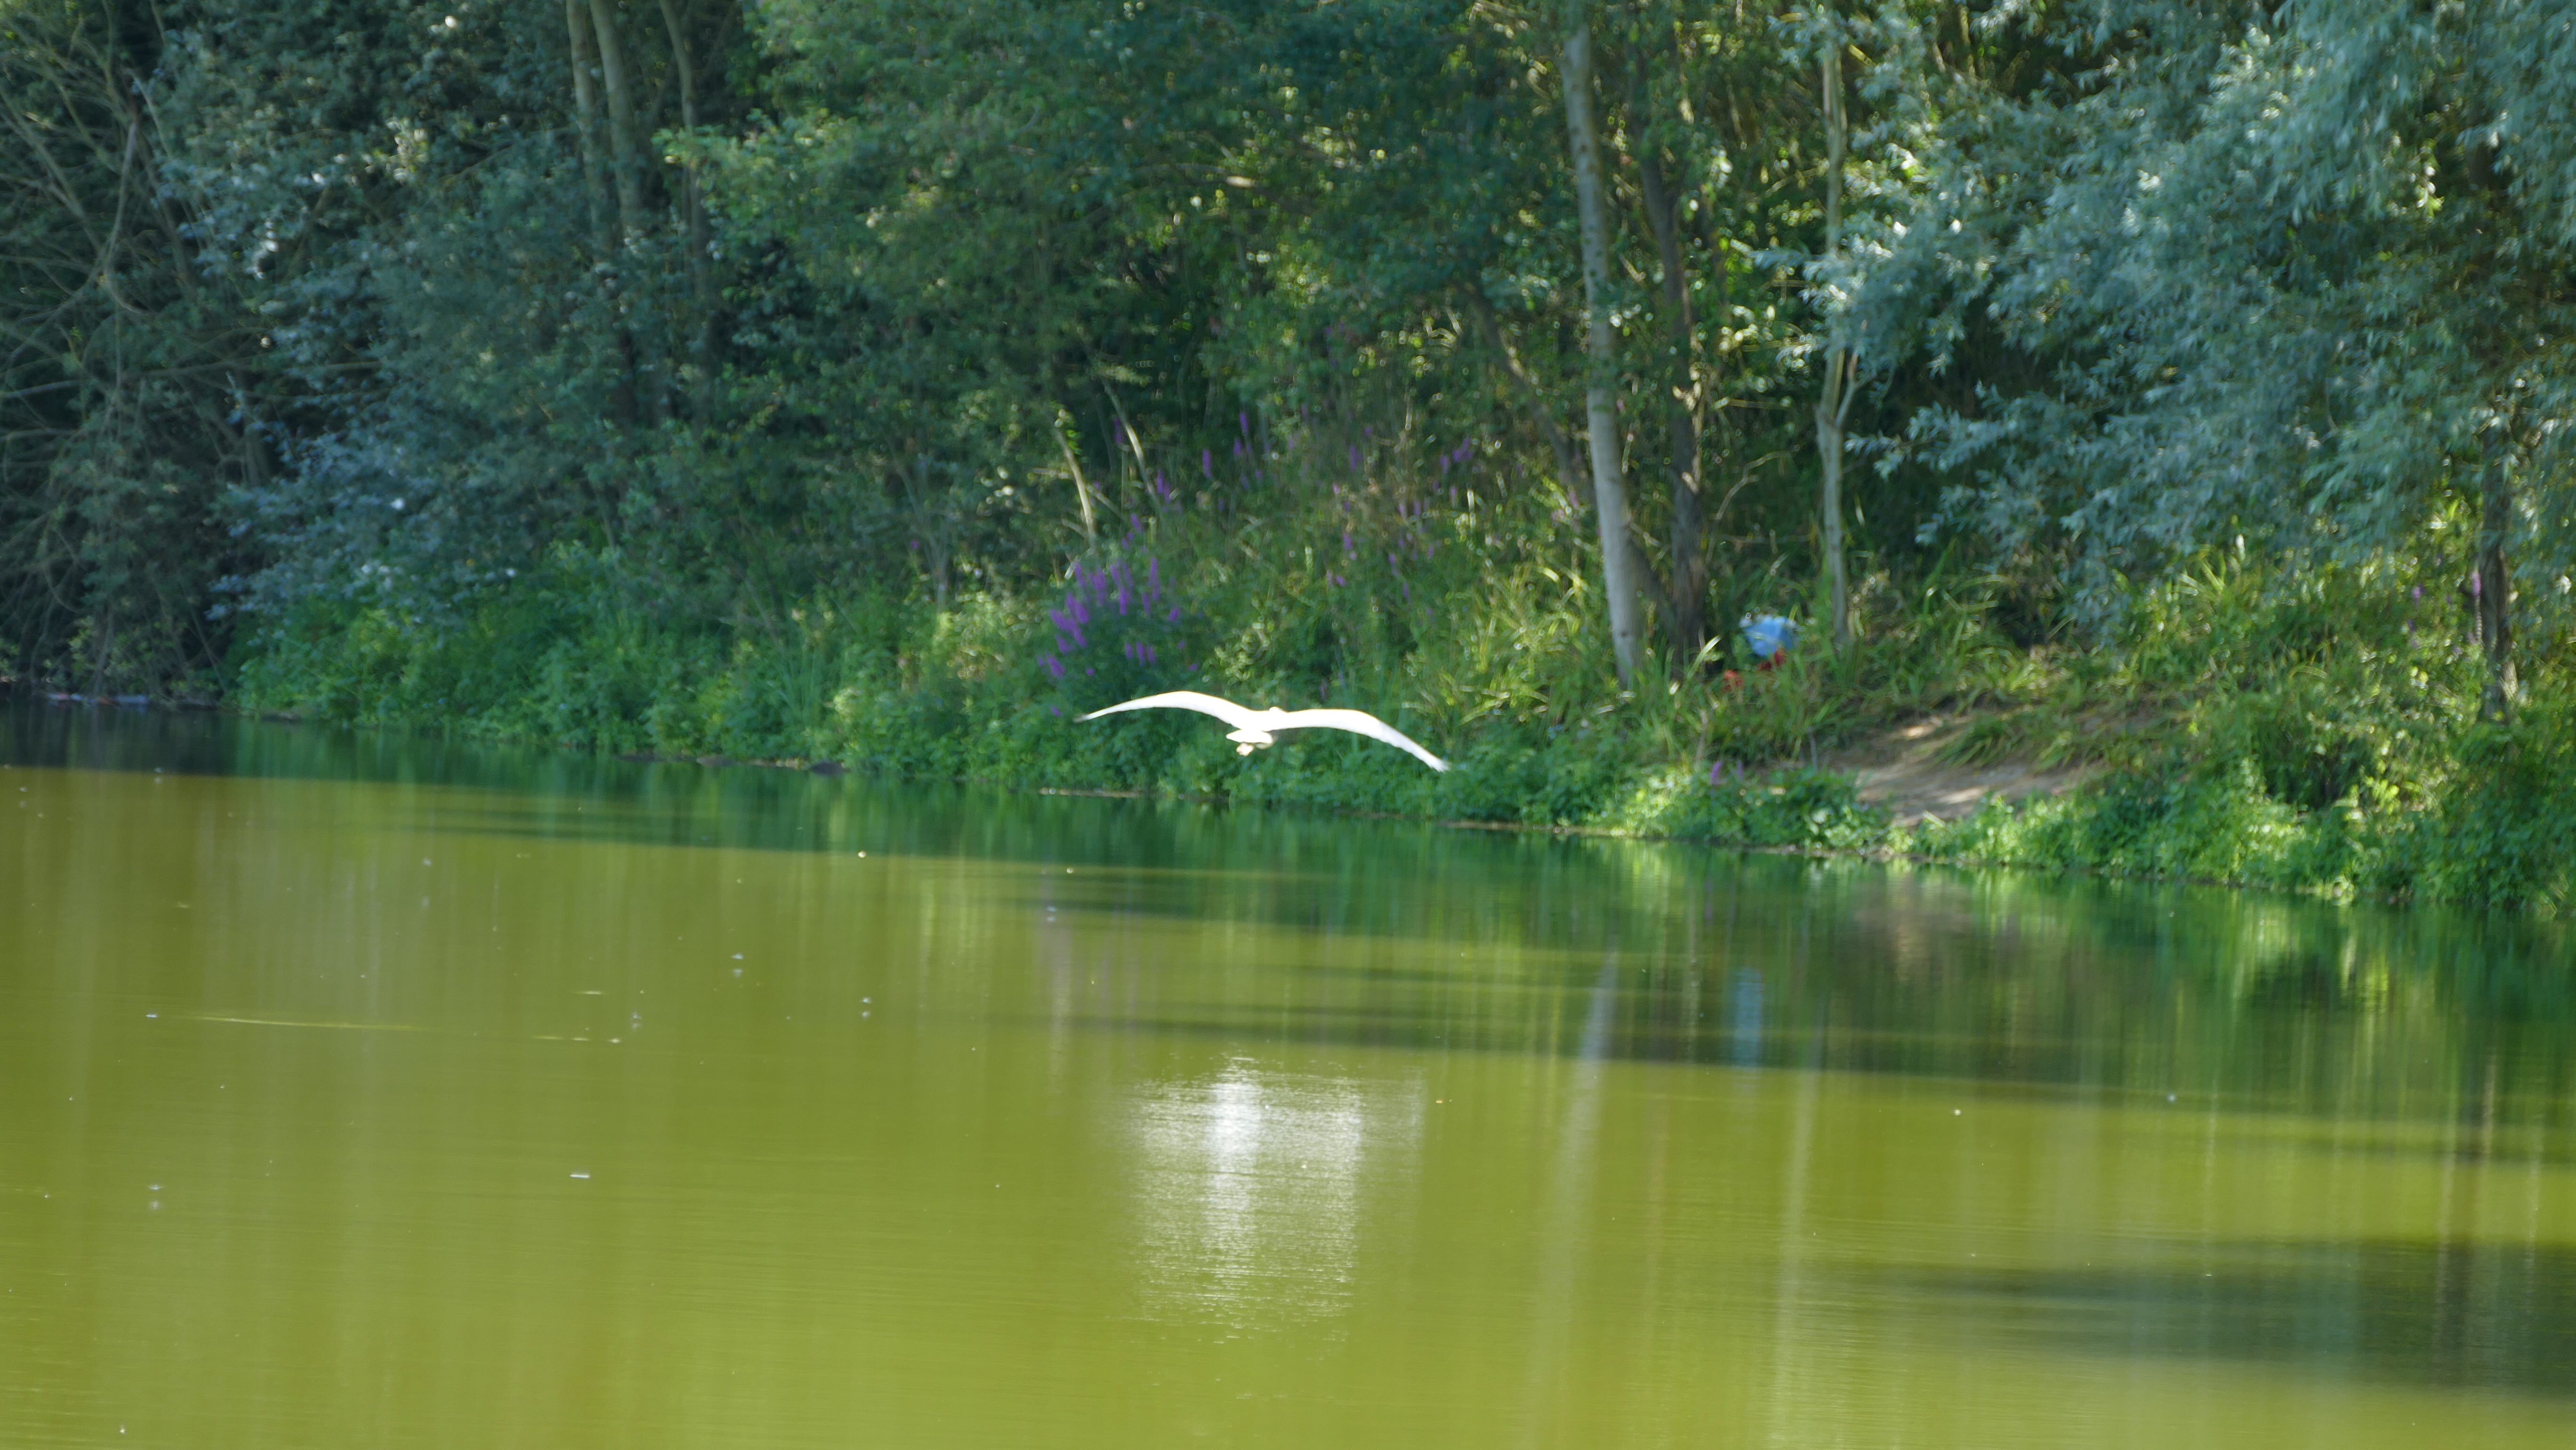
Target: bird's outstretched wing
1225 710
1358 722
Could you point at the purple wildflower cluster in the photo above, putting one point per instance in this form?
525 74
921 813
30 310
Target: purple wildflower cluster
1162 495
1409 538
1112 606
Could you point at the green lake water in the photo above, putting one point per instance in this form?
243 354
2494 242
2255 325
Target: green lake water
358 1092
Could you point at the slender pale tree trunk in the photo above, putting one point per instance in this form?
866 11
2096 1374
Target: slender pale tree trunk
1600 392
2491 591
1833 404
594 168
1686 601
626 139
623 133
702 338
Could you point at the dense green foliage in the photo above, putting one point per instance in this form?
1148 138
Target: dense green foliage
759 381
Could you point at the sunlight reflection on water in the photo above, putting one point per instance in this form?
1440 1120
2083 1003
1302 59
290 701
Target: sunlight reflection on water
1249 1187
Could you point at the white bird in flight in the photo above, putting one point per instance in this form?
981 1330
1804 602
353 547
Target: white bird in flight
1258 729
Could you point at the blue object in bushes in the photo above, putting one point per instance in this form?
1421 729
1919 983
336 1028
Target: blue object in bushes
1769 636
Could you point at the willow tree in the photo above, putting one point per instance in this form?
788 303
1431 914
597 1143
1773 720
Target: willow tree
2295 276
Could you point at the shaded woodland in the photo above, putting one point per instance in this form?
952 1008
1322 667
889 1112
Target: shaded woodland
2173 387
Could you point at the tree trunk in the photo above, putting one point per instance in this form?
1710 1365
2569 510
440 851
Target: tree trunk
626 139
1686 600
1833 404
1618 572
1569 464
595 183
932 532
2491 593
594 170
628 162
702 340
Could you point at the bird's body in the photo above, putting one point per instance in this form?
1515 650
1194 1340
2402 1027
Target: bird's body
1259 729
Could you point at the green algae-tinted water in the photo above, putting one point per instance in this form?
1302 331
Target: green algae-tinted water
358 1093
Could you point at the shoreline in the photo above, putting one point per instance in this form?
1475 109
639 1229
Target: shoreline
1828 820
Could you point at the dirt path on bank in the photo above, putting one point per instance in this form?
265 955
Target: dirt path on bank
1904 771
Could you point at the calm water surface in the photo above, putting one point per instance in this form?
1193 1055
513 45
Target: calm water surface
356 1092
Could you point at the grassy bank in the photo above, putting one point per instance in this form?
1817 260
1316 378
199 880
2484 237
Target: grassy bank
2316 735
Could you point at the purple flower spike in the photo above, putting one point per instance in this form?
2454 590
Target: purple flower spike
1355 458
1244 421
1175 617
2419 593
1207 464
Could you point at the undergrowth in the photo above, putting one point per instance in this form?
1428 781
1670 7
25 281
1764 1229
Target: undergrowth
2315 733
